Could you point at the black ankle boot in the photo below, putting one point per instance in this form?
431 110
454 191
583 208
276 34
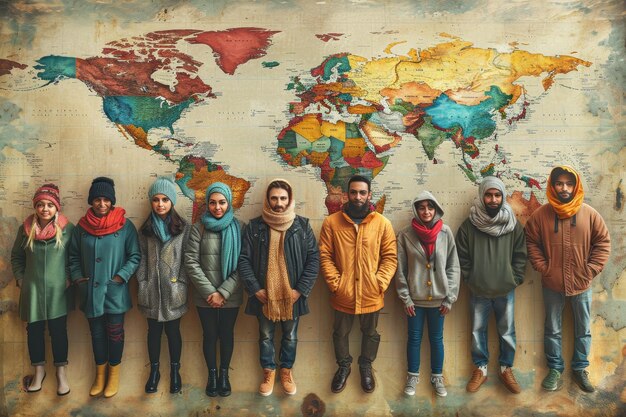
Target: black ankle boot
211 385
223 385
175 381
153 379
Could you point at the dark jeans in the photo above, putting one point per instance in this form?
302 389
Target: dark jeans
218 323
288 342
57 328
107 338
174 341
370 338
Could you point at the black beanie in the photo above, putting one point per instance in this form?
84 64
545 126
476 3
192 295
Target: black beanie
102 187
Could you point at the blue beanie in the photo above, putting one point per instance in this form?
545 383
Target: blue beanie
165 186
219 187
102 187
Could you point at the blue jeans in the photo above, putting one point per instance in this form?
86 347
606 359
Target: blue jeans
288 342
435 336
504 310
581 309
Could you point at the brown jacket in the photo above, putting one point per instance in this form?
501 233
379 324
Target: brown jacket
569 257
357 265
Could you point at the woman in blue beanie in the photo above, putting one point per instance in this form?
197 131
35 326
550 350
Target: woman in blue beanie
211 259
162 293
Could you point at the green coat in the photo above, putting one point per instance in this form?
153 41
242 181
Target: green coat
100 258
42 272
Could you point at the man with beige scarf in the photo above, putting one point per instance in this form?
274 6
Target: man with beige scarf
278 265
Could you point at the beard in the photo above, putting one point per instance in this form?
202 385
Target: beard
565 197
493 211
358 211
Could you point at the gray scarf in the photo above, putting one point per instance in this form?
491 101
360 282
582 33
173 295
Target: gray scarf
503 222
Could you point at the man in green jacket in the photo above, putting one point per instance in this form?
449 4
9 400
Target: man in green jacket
492 252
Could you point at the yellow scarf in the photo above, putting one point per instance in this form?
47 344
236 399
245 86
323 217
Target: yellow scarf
566 210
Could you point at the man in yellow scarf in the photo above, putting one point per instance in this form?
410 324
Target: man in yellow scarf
278 265
569 244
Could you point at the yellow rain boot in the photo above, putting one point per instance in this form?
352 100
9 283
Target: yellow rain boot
98 383
113 381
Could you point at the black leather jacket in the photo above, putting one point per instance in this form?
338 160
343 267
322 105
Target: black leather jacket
301 256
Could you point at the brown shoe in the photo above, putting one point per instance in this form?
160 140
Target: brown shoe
287 382
267 386
508 379
476 380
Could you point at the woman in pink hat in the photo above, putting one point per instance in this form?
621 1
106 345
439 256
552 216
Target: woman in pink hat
39 262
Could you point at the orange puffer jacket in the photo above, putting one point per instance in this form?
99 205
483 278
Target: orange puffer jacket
357 261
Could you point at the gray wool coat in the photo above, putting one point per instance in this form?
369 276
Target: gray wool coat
162 278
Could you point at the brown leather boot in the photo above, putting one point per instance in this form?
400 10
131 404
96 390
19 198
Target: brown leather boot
287 382
267 386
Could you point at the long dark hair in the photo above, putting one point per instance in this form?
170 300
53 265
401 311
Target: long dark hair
176 224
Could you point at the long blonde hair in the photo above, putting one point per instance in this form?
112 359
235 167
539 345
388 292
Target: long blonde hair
58 235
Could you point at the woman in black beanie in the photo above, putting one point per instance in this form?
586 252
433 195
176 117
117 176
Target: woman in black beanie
103 255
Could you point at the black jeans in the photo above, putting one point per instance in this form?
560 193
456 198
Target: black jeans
107 338
57 328
174 341
218 323
370 339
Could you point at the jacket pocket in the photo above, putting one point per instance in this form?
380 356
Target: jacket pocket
143 294
178 294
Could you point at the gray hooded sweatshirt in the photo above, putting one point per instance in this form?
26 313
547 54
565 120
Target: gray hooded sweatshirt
427 282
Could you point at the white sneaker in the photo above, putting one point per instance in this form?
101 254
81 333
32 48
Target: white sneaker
438 386
411 381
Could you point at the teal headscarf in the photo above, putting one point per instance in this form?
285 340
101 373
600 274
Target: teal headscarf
228 227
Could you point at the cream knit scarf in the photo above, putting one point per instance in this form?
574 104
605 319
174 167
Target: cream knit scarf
279 306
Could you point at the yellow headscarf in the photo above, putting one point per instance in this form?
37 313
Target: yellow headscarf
565 210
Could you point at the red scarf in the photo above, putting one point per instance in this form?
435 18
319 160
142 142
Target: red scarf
427 236
48 231
100 226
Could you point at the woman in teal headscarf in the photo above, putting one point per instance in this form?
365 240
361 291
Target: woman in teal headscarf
211 259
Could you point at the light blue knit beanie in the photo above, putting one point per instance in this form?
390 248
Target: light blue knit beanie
165 186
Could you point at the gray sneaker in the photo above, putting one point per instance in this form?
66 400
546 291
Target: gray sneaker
438 386
411 381
581 378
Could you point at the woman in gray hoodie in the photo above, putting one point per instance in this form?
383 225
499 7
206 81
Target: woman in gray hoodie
427 282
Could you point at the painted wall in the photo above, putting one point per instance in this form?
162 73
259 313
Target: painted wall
60 129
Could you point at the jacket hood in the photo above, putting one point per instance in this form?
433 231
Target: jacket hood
569 209
427 195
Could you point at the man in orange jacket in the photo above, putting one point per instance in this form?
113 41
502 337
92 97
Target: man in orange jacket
358 259
569 244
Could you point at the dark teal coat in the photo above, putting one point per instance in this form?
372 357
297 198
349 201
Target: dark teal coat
42 273
100 258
